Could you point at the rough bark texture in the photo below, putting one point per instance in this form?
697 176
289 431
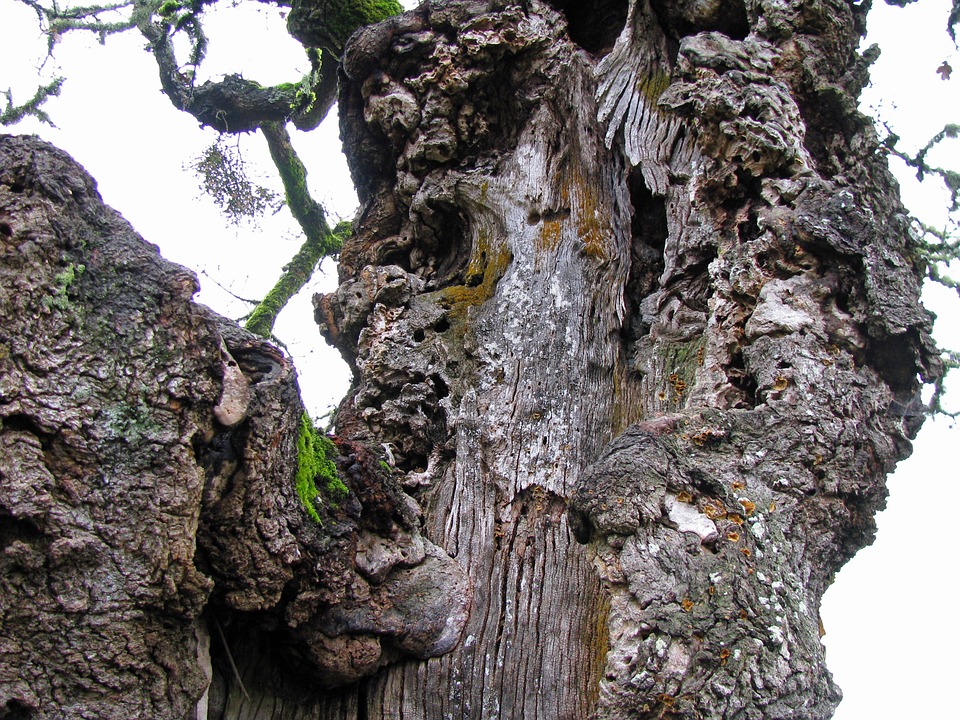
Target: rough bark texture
662 225
147 499
632 310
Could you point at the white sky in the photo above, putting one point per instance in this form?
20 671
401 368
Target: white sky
892 637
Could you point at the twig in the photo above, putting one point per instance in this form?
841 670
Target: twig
236 673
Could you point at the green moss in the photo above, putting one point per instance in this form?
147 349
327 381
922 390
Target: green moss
346 16
303 94
64 280
314 453
133 423
168 8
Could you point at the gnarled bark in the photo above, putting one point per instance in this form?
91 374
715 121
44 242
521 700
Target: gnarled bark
662 226
149 518
633 310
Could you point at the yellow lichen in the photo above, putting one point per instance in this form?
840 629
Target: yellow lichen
591 229
548 239
651 87
681 361
488 263
601 643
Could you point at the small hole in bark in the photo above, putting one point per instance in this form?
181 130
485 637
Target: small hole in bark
16 710
17 187
649 230
418 335
442 325
22 423
749 229
741 379
440 387
17 529
895 360
811 492
6 230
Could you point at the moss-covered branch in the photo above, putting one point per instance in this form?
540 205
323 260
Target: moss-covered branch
328 24
236 104
56 21
918 161
13 114
320 240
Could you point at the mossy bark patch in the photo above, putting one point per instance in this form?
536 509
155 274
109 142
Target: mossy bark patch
314 453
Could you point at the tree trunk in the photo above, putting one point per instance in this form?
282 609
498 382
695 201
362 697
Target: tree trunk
668 226
633 312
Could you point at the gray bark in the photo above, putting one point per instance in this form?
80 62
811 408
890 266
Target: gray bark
633 306
665 227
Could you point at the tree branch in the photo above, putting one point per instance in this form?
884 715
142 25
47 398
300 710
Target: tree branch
320 240
15 113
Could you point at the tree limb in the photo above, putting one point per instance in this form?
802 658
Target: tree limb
320 240
13 114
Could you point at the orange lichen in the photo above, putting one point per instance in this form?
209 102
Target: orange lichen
714 511
708 436
677 383
548 239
